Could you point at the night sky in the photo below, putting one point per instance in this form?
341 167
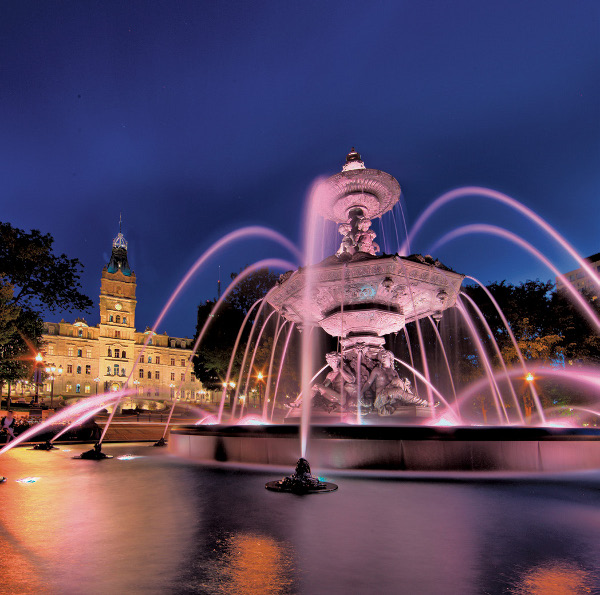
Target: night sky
194 118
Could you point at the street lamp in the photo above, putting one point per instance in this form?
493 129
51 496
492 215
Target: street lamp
172 386
96 380
260 379
136 382
38 361
52 370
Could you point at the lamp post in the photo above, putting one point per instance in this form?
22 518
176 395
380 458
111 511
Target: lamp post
38 361
96 380
52 370
260 380
527 397
136 382
172 386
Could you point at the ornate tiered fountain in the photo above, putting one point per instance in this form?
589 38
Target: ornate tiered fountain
361 296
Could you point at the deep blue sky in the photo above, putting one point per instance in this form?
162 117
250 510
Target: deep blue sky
194 118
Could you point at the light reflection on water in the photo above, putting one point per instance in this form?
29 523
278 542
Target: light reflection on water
156 524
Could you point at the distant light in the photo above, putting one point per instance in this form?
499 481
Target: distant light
28 480
128 457
529 377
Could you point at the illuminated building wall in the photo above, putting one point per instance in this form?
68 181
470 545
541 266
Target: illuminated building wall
580 279
101 358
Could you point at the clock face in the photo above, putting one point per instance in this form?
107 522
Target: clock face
118 306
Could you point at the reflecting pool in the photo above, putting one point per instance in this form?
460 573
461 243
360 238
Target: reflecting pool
152 523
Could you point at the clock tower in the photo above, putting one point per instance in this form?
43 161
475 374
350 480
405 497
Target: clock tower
117 316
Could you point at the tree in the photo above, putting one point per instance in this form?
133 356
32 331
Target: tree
213 356
32 278
40 279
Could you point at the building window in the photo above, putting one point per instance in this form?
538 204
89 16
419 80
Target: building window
141 373
183 344
148 393
79 369
78 388
149 375
118 319
50 349
88 353
149 359
80 353
123 354
88 369
122 371
172 361
89 334
70 351
117 334
157 359
150 342
141 359
192 377
182 377
116 369
182 363
86 389
68 387
157 375
80 333
69 368
50 330
109 352
117 353
172 375
110 318
108 370
124 319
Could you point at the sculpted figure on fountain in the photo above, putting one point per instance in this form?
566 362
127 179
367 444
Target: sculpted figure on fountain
339 384
391 391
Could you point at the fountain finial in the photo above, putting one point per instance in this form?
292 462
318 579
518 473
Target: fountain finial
353 161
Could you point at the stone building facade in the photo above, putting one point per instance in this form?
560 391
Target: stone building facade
102 358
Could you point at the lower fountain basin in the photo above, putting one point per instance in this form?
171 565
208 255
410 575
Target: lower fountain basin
394 448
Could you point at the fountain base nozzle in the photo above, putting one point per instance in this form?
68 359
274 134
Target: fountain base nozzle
302 481
95 454
45 446
161 442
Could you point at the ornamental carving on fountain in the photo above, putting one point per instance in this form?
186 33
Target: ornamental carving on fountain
356 294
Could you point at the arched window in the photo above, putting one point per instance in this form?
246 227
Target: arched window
79 369
78 388
79 353
118 319
80 333
124 319
109 352
149 359
150 342
110 318
123 354
149 375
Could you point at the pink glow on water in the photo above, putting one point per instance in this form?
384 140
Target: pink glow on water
511 202
251 420
209 420
509 235
443 421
